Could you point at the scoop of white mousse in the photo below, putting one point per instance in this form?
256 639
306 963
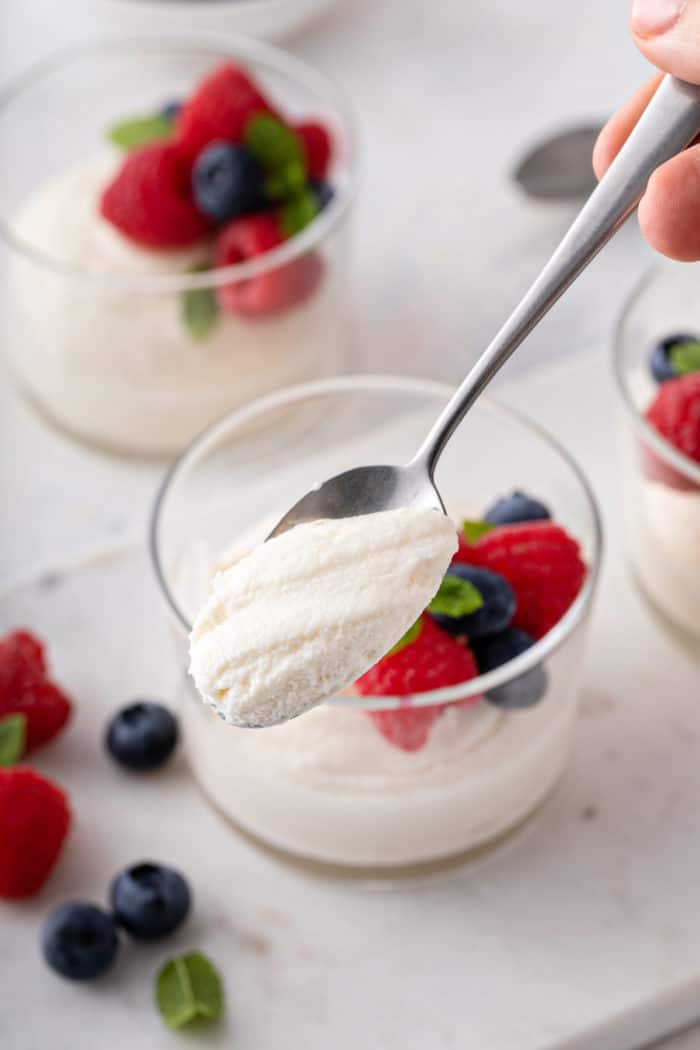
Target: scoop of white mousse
305 614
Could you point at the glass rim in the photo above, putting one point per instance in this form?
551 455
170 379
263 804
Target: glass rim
475 687
683 464
236 47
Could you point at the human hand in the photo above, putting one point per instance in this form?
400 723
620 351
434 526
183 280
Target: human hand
667 32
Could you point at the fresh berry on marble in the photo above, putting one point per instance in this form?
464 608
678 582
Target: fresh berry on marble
149 900
27 689
142 736
227 182
34 822
80 941
508 510
495 612
498 650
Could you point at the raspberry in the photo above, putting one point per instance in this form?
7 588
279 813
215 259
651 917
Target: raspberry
34 819
150 200
432 661
541 562
317 147
219 110
271 292
26 689
675 414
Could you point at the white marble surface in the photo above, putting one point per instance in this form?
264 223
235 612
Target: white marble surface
447 95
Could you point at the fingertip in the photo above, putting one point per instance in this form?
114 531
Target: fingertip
604 150
669 212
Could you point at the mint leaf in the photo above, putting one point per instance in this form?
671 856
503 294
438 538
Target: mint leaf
298 212
13 734
474 530
189 987
408 638
456 598
685 357
139 131
275 146
199 308
287 182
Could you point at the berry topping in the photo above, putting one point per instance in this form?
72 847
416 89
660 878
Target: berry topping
227 182
430 660
675 414
322 192
493 652
34 820
540 561
317 148
149 900
26 689
495 612
276 289
170 110
219 109
150 201
666 356
79 941
142 736
514 508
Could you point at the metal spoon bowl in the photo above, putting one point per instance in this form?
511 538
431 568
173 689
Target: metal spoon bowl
670 122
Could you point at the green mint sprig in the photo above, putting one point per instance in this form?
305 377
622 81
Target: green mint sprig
474 530
199 308
456 598
407 639
13 737
140 131
685 357
188 987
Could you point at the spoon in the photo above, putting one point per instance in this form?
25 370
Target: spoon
559 168
670 122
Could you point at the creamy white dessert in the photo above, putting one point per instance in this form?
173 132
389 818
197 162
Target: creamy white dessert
304 615
665 547
117 366
328 786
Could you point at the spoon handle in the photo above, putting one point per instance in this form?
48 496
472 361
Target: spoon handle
670 122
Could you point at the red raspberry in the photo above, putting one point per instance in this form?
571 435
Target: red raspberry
675 414
317 147
26 689
34 819
542 564
219 109
273 291
433 661
150 200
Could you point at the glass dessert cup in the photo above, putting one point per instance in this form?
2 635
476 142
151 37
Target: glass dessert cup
96 328
327 786
661 485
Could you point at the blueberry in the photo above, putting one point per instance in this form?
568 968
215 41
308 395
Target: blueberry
659 361
496 612
323 193
227 182
79 941
142 736
170 110
523 691
149 900
509 510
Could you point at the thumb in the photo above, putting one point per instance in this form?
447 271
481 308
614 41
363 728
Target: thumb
667 32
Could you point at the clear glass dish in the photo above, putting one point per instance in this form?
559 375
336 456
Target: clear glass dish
661 486
327 786
94 327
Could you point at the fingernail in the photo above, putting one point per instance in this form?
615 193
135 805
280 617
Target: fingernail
653 17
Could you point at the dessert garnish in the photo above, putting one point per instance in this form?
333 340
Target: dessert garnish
675 414
80 941
34 822
674 356
149 901
226 169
